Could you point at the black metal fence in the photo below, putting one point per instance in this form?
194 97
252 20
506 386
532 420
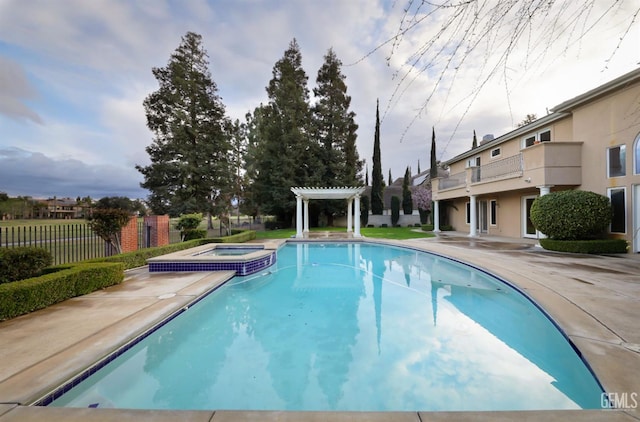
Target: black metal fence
68 243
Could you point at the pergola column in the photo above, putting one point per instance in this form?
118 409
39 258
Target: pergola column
349 215
357 217
306 217
436 216
299 217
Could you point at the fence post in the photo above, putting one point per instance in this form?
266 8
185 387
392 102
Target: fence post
157 230
129 235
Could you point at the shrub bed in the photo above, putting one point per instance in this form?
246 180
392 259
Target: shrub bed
237 236
58 284
66 281
139 258
22 262
597 246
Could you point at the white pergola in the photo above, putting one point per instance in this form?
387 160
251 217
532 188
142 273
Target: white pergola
304 194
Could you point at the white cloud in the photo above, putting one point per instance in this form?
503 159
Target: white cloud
14 90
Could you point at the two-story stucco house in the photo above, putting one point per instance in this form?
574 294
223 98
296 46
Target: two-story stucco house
590 142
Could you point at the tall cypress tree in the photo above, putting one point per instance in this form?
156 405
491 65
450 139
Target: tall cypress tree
433 171
377 202
288 157
474 145
189 170
407 200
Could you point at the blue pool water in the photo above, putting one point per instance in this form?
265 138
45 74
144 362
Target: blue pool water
350 327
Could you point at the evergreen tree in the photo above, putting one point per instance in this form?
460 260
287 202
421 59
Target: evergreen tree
335 130
288 157
377 203
253 125
366 176
433 171
189 169
335 125
390 178
474 145
407 201
419 171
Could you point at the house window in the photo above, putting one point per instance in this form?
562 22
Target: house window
636 155
545 136
495 152
542 136
619 219
473 162
493 212
616 161
468 217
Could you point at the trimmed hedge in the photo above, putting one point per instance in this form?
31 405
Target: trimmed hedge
23 262
139 258
60 283
66 281
193 234
596 246
237 236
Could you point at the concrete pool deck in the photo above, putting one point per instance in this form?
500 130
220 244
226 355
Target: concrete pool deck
595 299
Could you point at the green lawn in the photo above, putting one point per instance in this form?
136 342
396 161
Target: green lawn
397 233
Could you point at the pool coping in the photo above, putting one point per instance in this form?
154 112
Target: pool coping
616 365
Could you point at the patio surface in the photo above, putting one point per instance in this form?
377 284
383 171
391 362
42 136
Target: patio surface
595 299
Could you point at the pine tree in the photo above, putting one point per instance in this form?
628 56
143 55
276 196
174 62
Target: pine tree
335 125
335 130
407 201
288 157
189 170
377 203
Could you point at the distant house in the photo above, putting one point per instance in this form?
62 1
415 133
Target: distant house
590 142
65 208
395 189
421 179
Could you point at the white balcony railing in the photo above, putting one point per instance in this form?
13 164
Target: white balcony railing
453 181
510 166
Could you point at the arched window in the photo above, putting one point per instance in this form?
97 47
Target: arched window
636 155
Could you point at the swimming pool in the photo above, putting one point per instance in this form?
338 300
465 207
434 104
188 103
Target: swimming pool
350 326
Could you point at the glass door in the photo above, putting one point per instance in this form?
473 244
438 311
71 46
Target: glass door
529 229
483 216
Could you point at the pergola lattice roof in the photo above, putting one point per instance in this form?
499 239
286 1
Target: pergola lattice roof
327 193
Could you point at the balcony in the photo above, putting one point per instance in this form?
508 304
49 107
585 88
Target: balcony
548 163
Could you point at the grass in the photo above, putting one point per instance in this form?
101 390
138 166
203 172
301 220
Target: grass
41 222
396 233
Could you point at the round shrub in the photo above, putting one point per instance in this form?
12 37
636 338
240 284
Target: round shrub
572 215
23 262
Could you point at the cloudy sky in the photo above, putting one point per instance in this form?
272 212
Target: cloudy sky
74 74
